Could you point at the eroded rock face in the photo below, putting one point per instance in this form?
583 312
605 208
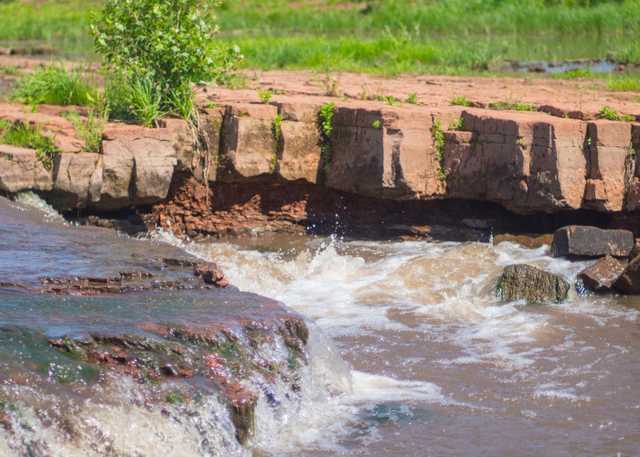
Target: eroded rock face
601 276
532 284
527 162
584 241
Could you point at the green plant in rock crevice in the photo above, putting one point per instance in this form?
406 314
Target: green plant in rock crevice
265 95
27 136
461 101
438 143
606 112
325 120
276 130
90 130
458 124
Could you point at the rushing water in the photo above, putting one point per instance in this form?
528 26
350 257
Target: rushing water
434 365
439 367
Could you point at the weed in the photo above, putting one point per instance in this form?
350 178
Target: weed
330 86
606 112
145 102
412 98
54 86
388 99
461 101
377 124
438 143
458 124
182 104
90 130
325 120
174 398
513 106
27 136
277 128
265 95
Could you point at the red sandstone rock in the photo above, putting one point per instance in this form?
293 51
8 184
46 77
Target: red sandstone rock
601 276
583 241
210 274
21 170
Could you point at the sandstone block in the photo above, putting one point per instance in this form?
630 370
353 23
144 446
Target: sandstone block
301 153
21 170
248 147
77 180
629 280
585 241
601 276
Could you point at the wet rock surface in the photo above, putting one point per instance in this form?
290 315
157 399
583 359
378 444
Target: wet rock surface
584 241
532 284
629 280
166 323
602 275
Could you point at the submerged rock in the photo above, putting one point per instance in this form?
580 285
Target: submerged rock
601 276
585 241
536 286
211 274
629 280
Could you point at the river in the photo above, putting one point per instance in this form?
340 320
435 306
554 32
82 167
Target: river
411 354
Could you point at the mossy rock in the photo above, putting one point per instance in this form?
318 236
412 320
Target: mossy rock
532 284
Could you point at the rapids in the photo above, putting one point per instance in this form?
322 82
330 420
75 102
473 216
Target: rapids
409 354
439 368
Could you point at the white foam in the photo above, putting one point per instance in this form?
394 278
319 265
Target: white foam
33 200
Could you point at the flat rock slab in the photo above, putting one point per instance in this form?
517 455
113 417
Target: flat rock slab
585 241
532 284
601 276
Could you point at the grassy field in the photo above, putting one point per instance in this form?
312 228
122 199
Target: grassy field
383 36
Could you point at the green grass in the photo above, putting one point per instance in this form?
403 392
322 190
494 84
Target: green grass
625 83
610 114
89 130
54 86
27 136
391 37
514 106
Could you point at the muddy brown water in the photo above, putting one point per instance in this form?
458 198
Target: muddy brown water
411 355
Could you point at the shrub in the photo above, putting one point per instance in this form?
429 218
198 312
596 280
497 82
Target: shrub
159 49
54 86
27 136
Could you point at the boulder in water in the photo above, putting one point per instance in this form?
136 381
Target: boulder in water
629 280
601 276
211 274
536 286
585 241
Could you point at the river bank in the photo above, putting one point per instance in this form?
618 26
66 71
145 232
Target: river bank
383 224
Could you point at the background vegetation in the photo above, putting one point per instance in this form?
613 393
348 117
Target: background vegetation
382 36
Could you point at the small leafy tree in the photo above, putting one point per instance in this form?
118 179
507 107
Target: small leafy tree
163 46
